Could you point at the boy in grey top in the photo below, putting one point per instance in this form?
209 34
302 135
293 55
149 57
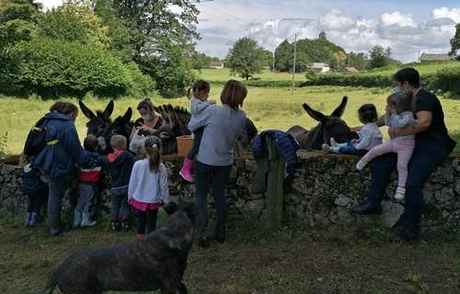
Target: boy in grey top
399 115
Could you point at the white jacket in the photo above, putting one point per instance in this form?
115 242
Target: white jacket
146 186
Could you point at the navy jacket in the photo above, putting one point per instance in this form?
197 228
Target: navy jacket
120 169
287 146
59 159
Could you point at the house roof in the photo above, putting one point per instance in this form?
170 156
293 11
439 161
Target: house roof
431 56
318 65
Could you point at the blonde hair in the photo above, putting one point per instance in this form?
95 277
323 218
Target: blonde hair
152 151
233 94
118 142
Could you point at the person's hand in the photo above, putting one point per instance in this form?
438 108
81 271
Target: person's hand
354 141
393 132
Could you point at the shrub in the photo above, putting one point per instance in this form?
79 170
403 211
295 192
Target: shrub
56 67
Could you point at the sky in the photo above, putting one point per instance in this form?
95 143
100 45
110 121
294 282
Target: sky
409 27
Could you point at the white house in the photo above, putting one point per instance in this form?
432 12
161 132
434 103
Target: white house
216 65
319 67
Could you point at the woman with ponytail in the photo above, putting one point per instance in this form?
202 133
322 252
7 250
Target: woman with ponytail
148 187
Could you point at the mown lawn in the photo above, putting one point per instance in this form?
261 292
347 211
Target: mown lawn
276 108
254 260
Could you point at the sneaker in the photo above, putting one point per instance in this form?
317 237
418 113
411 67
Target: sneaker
326 148
28 219
400 193
125 226
186 170
333 142
34 219
86 222
115 225
361 165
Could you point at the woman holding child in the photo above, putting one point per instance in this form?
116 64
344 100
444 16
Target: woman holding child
432 146
213 162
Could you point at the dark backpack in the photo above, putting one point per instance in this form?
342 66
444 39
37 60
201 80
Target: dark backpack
36 139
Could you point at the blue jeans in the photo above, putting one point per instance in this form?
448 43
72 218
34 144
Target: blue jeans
57 188
423 162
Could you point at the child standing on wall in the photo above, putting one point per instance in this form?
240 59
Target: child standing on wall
369 135
199 101
148 187
120 164
398 115
91 166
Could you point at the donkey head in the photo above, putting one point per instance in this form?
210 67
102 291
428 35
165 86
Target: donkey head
99 122
329 126
122 125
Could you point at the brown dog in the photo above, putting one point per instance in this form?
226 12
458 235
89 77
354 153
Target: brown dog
158 262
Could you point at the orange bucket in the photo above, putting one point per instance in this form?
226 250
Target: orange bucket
184 145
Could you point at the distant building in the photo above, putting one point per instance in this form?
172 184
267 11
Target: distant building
216 65
425 57
319 67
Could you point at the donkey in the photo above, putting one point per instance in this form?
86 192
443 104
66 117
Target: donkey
101 125
329 126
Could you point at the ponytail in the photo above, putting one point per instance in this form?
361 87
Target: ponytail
152 150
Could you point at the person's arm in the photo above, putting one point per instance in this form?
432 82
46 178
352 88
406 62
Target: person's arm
132 182
164 188
201 119
364 139
422 123
72 144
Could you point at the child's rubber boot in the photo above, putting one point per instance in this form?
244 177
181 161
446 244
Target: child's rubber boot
186 171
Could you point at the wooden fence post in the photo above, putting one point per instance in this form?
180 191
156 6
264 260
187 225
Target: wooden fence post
274 194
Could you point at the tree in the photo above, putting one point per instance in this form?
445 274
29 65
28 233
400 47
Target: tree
283 56
378 57
357 60
455 42
246 58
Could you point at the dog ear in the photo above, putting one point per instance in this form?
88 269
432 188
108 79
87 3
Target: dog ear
316 115
86 111
338 112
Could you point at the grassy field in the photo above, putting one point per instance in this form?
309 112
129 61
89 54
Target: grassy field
219 75
254 260
276 108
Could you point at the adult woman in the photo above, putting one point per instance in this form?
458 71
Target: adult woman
223 124
144 126
432 146
58 160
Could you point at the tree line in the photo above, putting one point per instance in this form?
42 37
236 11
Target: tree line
103 47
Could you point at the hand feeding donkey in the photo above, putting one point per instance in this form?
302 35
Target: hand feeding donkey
329 126
158 262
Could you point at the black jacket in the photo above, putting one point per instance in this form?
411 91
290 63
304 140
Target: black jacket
120 169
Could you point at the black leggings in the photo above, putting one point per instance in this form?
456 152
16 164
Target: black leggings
146 221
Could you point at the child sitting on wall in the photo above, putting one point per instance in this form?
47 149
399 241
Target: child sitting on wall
369 135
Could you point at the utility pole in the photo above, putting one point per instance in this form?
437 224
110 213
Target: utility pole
273 68
293 65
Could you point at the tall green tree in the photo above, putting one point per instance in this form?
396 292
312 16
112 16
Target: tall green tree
246 58
455 42
283 56
378 57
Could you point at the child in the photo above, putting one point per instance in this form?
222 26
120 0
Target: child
369 135
148 187
399 115
120 164
91 165
36 189
199 101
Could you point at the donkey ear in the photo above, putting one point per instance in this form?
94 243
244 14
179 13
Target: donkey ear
108 110
316 115
338 112
128 114
86 111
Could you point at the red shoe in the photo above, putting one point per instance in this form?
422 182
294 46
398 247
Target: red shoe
186 171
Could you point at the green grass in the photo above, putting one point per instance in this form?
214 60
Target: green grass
276 108
253 260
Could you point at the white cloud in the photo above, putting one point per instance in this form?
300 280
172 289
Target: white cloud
337 21
397 18
444 12
48 4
